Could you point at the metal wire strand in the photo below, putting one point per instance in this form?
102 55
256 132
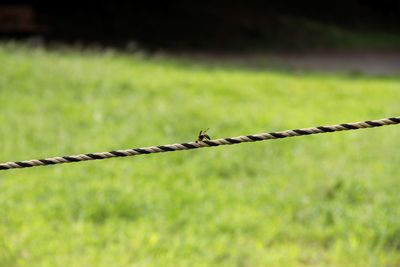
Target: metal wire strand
200 144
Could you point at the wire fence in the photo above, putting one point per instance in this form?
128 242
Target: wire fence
200 143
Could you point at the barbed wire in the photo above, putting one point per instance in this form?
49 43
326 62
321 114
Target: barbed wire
200 144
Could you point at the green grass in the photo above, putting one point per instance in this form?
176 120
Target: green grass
324 200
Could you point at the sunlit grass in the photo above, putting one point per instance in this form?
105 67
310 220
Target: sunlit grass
325 200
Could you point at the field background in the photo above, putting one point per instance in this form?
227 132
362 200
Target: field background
325 200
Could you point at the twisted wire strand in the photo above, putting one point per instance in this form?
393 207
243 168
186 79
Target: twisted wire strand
205 143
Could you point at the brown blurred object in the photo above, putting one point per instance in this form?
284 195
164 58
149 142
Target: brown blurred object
17 19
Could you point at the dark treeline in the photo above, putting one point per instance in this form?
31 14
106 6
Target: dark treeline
210 24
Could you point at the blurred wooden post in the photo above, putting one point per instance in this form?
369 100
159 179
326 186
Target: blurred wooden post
17 19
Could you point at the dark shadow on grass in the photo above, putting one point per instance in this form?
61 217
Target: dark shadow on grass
344 64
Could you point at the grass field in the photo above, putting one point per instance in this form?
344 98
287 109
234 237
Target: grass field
324 200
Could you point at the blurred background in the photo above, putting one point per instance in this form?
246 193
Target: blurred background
354 35
209 25
80 77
